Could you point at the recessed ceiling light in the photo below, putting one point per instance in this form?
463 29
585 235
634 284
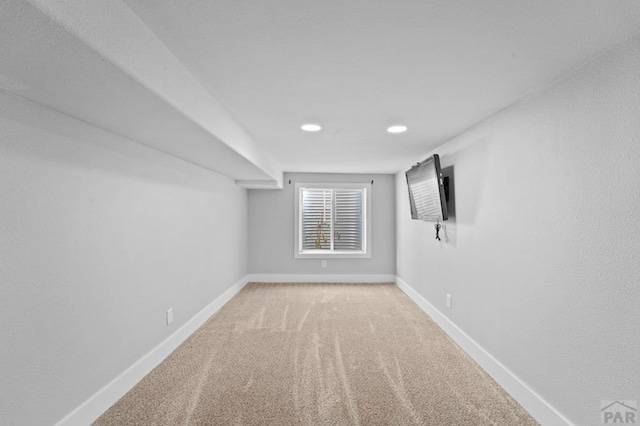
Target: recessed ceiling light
310 127
397 129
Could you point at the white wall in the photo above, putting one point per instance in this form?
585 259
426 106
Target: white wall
98 237
272 229
543 254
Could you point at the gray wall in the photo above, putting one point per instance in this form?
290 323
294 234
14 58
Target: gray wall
542 257
98 237
272 233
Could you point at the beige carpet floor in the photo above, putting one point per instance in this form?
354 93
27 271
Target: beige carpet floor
318 354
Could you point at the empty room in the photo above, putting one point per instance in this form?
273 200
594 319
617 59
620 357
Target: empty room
418 212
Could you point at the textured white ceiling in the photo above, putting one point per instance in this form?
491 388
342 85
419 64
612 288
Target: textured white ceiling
226 84
355 67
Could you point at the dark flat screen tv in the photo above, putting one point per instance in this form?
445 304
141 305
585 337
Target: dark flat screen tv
426 191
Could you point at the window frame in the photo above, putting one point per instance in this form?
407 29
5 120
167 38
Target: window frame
324 253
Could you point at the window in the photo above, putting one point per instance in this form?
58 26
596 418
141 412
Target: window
332 220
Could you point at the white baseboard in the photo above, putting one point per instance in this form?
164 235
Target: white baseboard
322 278
536 405
98 403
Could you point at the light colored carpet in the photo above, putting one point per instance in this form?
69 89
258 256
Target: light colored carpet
318 354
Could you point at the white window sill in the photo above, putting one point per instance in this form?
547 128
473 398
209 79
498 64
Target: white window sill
326 254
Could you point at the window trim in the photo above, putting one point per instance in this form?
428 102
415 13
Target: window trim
320 254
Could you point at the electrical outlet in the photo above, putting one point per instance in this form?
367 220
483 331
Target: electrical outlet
169 316
449 301
324 263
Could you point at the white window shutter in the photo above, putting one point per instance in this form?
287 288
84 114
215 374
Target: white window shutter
316 219
332 219
348 222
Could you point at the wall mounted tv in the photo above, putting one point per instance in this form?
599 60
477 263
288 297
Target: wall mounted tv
427 191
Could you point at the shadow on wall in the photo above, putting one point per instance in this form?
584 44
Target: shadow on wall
449 226
447 173
471 166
